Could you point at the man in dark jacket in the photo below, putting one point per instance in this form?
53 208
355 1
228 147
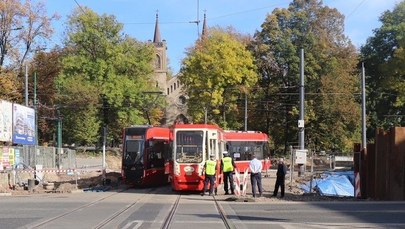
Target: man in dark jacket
280 181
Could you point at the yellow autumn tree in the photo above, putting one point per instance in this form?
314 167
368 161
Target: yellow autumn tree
216 72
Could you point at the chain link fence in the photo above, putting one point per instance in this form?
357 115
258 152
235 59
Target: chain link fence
31 156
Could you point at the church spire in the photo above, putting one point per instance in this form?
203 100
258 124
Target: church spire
156 36
204 28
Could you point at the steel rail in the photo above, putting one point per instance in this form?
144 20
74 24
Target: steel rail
83 207
227 222
169 218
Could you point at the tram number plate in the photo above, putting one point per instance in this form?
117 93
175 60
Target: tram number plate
188 174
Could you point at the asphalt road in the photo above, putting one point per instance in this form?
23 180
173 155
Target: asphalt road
161 208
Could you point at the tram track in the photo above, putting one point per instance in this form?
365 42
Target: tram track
100 200
227 222
117 214
168 221
169 218
115 217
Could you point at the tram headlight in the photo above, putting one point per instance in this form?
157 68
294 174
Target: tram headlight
176 169
200 169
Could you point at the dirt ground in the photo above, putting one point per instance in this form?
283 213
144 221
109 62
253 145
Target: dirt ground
67 181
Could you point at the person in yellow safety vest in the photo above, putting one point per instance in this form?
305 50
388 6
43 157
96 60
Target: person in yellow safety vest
227 168
210 170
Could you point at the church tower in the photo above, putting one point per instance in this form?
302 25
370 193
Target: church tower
160 64
204 28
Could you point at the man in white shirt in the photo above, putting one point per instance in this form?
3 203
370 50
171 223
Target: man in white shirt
256 175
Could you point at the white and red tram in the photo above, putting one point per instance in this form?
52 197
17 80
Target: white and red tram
192 146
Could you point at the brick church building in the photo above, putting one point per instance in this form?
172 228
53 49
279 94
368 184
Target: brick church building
171 87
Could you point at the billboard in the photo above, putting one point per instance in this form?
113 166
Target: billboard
6 121
23 125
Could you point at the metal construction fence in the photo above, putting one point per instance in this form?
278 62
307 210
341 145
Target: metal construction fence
21 157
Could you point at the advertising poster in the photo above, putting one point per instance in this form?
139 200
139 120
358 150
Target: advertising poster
5 157
6 121
17 156
1 158
11 158
23 125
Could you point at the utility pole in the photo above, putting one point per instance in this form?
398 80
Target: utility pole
197 22
363 108
205 115
301 124
59 137
359 175
246 118
104 145
36 108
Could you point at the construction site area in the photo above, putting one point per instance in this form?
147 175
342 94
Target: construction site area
375 173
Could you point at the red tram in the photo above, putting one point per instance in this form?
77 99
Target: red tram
242 144
192 146
146 155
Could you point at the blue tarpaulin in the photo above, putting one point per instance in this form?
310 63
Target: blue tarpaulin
333 184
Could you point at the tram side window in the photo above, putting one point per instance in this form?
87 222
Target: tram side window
155 155
242 151
213 147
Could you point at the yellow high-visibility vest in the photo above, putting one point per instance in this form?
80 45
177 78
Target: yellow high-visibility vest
210 167
227 163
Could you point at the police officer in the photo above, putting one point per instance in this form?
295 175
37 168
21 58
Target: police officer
227 167
210 170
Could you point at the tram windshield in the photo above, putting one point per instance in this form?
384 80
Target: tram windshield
189 146
243 150
133 152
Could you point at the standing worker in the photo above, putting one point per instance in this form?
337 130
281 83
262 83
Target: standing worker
227 167
256 175
267 164
280 181
210 170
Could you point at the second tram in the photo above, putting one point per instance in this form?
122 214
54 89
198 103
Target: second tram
192 146
146 154
242 144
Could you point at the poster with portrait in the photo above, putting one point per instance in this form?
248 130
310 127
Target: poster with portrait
23 125
6 121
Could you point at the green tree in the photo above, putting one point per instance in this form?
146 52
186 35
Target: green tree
331 112
103 77
384 55
216 72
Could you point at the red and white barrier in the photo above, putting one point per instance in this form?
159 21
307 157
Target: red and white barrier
236 182
357 186
53 170
240 187
47 171
245 181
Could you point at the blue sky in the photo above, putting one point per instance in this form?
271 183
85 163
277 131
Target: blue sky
246 16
